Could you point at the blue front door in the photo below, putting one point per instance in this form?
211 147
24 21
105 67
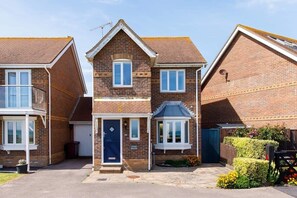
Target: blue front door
112 141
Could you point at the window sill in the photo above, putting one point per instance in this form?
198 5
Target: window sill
17 147
175 146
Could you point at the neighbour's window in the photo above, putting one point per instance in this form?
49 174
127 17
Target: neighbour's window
122 74
14 132
176 131
172 80
134 129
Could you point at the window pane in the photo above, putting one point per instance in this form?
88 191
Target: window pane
31 132
172 80
12 96
169 132
117 74
10 132
127 73
164 81
186 132
160 132
18 133
134 129
177 132
24 78
12 78
181 80
24 96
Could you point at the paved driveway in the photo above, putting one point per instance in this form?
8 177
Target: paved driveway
66 180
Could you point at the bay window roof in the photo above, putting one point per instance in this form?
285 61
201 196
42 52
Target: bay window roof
173 109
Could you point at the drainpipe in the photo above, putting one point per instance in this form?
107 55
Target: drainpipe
197 111
27 141
49 116
149 141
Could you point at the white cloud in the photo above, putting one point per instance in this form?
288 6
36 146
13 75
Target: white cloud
268 4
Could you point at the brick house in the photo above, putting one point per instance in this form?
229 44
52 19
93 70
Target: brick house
252 81
37 96
146 94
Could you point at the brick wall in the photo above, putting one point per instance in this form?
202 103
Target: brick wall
121 43
261 89
188 98
66 88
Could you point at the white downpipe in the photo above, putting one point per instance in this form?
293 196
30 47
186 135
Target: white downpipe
93 142
49 116
197 111
149 141
27 141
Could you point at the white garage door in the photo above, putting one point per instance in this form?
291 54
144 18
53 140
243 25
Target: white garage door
83 134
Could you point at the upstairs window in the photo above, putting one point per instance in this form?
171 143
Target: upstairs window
122 74
172 81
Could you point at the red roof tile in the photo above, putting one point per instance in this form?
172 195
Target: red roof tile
122 107
31 50
83 110
178 50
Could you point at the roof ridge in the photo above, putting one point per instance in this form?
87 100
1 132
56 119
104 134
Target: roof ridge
163 37
66 37
268 33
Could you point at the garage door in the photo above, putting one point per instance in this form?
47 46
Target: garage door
83 134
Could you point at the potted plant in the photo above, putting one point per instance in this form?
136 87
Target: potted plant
22 166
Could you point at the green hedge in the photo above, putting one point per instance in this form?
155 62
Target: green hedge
250 148
256 170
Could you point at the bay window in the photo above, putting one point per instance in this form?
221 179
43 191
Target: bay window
173 135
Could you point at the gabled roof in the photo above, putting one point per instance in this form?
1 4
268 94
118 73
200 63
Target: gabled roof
121 25
283 45
31 50
173 109
83 110
36 52
175 50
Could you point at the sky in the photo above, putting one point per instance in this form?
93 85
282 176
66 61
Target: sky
209 23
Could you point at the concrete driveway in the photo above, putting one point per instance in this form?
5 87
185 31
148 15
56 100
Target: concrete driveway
66 180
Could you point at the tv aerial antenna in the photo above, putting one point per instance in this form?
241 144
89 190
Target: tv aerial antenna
102 27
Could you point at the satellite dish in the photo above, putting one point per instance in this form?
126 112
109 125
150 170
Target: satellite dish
223 72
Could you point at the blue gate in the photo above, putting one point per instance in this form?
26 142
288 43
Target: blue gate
112 141
211 145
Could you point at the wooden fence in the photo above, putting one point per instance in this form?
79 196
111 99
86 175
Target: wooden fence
227 153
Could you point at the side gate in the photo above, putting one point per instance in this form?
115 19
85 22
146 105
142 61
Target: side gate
210 145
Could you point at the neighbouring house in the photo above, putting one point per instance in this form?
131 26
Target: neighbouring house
146 101
81 122
252 81
40 83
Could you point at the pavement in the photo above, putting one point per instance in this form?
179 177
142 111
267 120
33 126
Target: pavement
69 179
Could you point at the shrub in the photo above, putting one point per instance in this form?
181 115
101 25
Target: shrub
250 148
242 182
241 132
227 180
256 170
22 162
192 160
276 133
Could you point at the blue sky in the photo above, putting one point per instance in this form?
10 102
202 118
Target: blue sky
209 23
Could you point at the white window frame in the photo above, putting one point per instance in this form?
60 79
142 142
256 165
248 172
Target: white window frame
18 85
17 146
173 145
121 62
168 81
138 127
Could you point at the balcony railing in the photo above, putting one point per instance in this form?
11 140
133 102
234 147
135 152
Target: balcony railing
22 97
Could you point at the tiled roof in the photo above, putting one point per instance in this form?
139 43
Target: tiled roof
31 50
83 110
178 50
274 38
122 107
173 109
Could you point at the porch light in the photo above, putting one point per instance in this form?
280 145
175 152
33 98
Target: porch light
125 124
